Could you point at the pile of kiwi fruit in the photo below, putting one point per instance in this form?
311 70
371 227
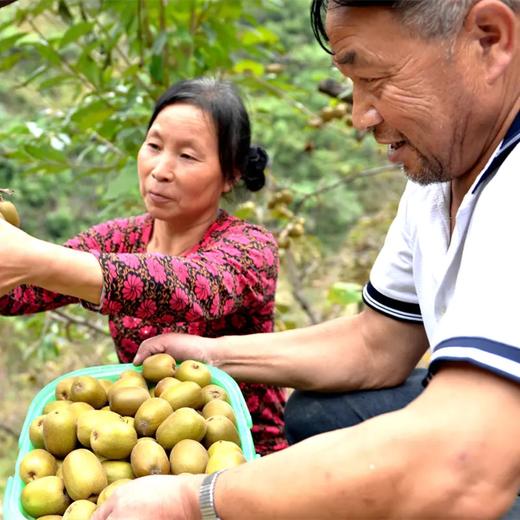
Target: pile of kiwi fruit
99 434
8 210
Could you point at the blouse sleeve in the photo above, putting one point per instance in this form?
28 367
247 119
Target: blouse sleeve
234 270
28 299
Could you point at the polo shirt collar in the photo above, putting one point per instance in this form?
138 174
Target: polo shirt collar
509 142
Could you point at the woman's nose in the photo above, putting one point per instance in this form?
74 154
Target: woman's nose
163 170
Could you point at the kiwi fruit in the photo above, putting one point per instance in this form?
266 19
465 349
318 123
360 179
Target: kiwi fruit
45 496
158 366
9 212
149 458
188 456
184 423
37 464
83 474
150 415
196 371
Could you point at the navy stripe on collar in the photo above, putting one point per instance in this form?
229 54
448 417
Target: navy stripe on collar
510 141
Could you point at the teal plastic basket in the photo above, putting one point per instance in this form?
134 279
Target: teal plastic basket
12 507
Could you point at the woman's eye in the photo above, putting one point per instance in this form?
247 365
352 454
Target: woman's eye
153 146
188 156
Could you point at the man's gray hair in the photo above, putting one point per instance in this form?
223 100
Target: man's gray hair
426 18
439 18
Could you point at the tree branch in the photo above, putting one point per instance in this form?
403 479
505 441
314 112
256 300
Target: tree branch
67 318
295 281
3 427
346 180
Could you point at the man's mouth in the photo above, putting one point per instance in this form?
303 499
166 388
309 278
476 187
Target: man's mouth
395 146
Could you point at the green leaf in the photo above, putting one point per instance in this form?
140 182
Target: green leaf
7 43
55 81
253 67
47 52
9 62
124 183
344 293
157 69
75 32
45 153
246 210
159 43
89 68
90 115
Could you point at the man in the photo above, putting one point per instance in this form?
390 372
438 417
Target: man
438 82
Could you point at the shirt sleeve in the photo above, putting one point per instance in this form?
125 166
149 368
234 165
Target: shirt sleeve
480 324
237 269
391 289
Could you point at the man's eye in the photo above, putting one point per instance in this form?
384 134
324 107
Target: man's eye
153 146
188 156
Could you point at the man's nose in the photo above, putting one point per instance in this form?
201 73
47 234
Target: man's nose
365 115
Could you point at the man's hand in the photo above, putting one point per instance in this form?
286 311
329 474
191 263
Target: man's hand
180 346
157 497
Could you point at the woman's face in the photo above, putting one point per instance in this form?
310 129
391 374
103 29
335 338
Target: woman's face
180 178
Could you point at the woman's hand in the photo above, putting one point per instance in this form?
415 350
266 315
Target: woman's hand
179 346
157 497
17 258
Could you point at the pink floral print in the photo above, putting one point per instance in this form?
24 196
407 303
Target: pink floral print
224 285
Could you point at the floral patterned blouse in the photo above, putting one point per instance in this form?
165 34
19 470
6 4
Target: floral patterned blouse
224 285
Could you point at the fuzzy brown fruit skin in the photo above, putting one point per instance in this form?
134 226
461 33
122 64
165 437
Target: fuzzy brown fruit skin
9 213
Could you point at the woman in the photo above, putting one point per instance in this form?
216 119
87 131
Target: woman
185 265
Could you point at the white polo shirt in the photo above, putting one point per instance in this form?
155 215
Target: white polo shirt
464 289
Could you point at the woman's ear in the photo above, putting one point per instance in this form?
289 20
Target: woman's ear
493 26
229 184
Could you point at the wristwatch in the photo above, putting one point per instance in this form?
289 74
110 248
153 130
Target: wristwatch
207 497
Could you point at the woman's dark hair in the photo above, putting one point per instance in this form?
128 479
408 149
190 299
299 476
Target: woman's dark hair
221 100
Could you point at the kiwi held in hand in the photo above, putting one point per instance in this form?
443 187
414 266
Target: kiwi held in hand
9 212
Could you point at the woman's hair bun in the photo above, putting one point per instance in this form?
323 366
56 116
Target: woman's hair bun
254 176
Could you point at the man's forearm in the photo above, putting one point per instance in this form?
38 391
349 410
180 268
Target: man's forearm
295 358
300 358
451 454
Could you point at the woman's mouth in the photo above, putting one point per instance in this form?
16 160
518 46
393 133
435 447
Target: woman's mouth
158 197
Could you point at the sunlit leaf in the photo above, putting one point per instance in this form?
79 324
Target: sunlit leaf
92 114
75 32
344 293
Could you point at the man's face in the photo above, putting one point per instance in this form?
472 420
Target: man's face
410 92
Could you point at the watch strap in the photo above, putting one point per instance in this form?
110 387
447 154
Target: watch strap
207 497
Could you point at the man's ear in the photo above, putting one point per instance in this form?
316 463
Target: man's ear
494 28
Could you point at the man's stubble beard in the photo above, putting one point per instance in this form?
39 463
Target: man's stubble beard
428 173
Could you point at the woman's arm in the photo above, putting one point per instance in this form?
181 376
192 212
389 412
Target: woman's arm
37 276
237 269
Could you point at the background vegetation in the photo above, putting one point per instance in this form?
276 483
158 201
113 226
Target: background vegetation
79 79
